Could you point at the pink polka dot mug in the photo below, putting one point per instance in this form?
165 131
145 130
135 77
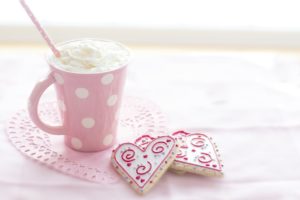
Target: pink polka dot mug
88 104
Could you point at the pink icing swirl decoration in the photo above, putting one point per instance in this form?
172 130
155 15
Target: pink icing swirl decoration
159 147
143 141
181 154
142 169
128 155
198 141
205 158
180 133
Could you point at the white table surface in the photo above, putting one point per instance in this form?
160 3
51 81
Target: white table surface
249 103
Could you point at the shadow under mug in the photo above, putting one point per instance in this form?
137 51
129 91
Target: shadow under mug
88 105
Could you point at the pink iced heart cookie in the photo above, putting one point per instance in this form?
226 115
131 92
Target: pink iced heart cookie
143 166
197 154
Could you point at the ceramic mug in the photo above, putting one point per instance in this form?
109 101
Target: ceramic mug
88 106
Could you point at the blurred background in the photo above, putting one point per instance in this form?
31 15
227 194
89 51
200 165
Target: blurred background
225 50
193 23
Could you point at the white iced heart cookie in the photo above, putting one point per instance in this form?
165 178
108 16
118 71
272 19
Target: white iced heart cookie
143 166
197 154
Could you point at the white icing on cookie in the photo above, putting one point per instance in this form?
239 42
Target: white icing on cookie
141 165
198 150
197 153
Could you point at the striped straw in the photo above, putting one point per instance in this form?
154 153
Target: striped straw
40 28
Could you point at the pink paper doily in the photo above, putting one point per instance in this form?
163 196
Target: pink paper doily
137 117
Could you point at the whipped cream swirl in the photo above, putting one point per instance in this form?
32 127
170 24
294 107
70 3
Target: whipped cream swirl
91 56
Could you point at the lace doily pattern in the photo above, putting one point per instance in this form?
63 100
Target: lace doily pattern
137 117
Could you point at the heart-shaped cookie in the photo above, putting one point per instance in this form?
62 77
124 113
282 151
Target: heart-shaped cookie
143 166
197 154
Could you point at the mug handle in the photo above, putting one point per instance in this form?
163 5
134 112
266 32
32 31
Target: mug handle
33 103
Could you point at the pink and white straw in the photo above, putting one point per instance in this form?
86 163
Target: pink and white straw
40 28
